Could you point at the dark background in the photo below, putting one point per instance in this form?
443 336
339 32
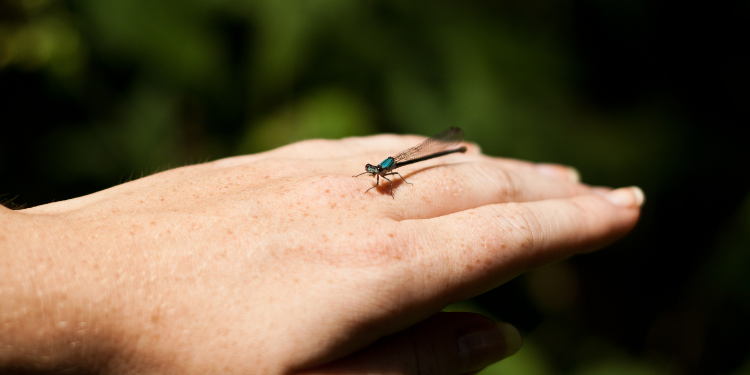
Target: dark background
98 92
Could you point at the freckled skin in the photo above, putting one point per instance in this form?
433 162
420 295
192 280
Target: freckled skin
182 272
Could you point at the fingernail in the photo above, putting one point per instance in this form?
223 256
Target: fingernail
626 197
480 348
574 175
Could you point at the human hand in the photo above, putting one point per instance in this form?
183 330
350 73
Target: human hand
277 263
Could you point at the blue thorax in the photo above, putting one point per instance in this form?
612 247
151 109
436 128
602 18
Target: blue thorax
387 164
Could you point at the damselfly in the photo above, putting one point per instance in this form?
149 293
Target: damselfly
430 148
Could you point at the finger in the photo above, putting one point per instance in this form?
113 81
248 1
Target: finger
486 246
379 147
374 151
442 189
558 171
447 343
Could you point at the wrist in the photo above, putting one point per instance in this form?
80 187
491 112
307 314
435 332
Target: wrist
48 318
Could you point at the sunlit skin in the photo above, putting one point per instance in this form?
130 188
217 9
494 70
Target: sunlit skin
276 263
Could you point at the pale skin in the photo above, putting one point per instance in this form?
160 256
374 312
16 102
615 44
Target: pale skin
277 263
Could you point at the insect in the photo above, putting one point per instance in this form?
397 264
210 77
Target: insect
430 148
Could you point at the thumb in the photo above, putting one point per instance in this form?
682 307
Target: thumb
446 343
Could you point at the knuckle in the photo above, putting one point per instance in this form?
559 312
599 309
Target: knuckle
524 225
580 215
473 148
507 183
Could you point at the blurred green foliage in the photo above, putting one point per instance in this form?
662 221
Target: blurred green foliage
305 69
96 92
